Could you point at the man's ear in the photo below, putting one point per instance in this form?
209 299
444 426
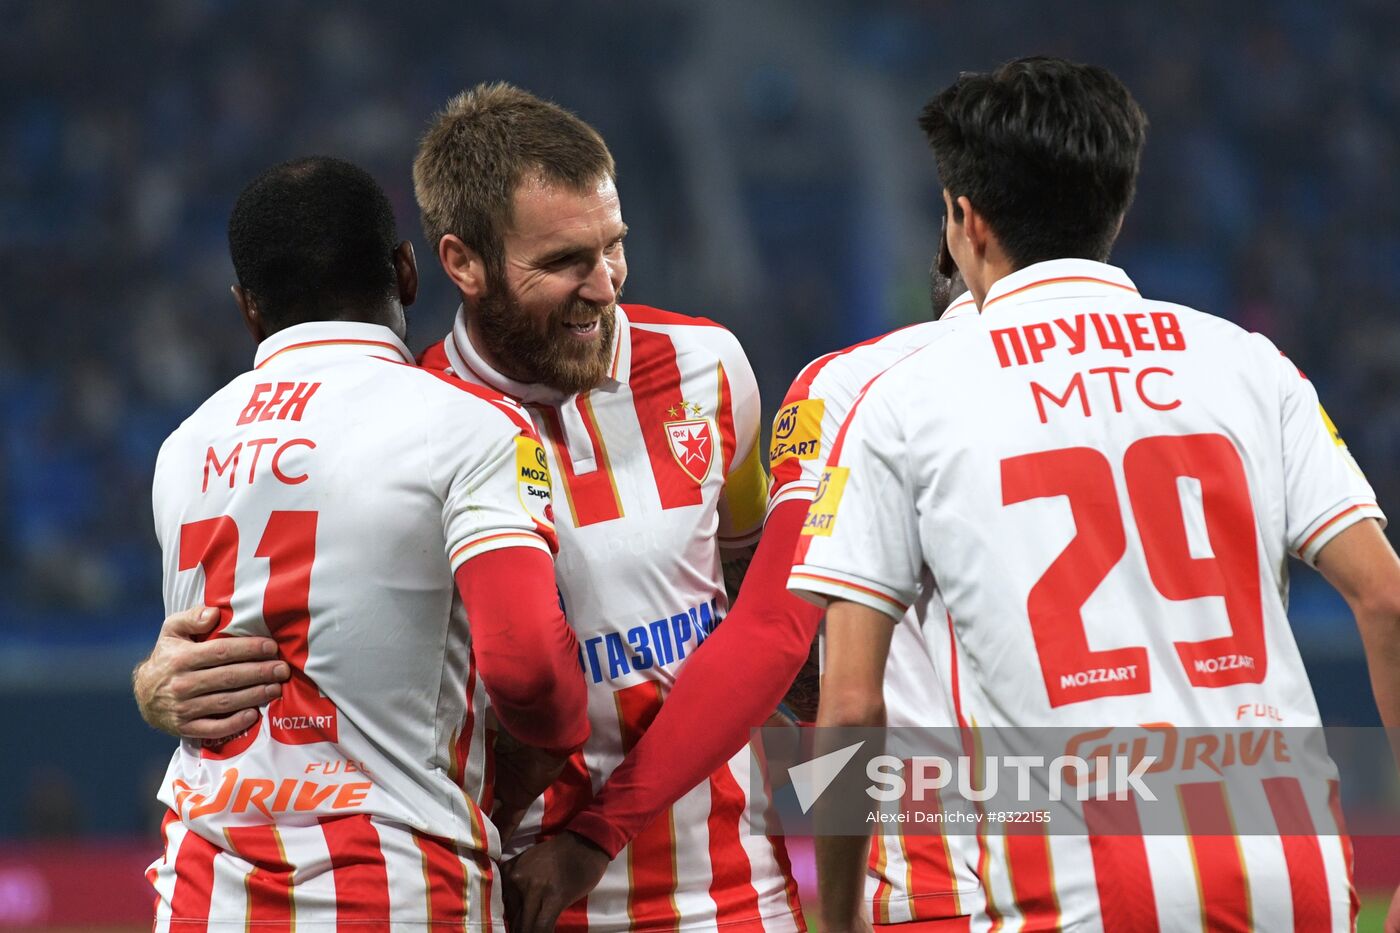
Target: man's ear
463 265
248 310
406 271
975 227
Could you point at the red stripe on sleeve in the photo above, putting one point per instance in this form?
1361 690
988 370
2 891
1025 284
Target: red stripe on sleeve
651 860
358 870
1121 872
731 884
1307 876
510 600
656 391
269 884
1334 803
1032 877
591 496
446 878
1215 851
194 881
726 420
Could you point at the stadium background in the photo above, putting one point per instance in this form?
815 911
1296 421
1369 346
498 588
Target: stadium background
773 178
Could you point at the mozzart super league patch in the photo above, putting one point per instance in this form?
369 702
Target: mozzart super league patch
532 474
797 432
821 516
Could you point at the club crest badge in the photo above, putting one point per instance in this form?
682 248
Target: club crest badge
693 446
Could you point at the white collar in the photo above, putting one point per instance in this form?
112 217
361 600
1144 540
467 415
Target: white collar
346 338
1056 278
962 306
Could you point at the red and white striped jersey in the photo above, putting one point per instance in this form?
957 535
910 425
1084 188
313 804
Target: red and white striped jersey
656 471
325 498
1106 490
922 876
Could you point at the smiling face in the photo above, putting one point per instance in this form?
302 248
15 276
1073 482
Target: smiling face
550 318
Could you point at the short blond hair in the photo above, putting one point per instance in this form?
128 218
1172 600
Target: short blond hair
481 146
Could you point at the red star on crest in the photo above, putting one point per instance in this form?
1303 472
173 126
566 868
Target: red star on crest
694 446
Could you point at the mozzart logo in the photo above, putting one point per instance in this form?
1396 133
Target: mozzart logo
920 778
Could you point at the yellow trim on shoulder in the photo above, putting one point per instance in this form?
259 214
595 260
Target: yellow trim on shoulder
745 495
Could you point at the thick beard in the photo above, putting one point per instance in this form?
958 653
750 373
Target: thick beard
546 355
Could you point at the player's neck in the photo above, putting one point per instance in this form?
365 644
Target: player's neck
990 268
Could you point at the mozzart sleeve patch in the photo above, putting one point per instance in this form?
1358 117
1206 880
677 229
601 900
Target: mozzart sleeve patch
797 432
532 476
821 517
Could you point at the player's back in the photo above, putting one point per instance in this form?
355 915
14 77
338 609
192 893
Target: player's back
1105 490
1132 474
324 498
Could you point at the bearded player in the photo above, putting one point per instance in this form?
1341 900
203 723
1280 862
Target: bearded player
650 422
914 882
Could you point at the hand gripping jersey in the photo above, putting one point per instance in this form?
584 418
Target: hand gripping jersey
655 471
325 499
1106 490
923 876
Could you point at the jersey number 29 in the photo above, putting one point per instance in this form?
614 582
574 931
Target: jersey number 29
1074 672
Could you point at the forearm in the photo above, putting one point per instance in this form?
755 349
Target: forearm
1363 568
525 652
727 688
858 642
841 875
1380 636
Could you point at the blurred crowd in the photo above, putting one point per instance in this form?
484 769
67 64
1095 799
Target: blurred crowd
770 169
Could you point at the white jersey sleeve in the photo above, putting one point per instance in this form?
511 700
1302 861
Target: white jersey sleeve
862 518
499 498
1325 490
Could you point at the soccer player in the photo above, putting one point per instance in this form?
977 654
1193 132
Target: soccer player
1107 512
326 499
650 423
918 882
